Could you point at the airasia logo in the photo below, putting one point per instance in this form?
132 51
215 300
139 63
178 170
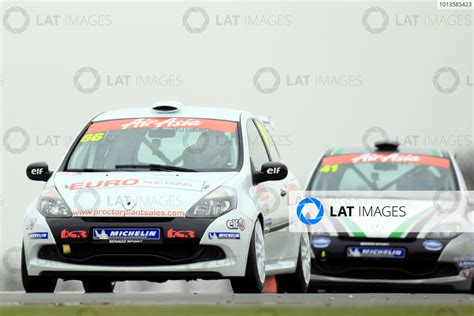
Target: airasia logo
152 123
386 158
103 184
76 234
180 233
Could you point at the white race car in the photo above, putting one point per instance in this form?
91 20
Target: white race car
164 193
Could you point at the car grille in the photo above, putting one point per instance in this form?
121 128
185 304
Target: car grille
383 269
133 255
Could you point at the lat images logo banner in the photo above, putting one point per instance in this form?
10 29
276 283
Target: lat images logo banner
378 214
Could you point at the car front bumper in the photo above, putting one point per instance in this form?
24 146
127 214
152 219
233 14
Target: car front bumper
420 267
461 282
201 257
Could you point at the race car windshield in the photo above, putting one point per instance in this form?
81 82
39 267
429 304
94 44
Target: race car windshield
384 172
158 144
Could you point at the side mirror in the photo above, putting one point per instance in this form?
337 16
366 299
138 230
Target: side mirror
271 171
38 171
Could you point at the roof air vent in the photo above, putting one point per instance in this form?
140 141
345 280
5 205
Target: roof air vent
167 106
387 145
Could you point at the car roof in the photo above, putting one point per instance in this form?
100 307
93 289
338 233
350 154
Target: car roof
184 111
432 152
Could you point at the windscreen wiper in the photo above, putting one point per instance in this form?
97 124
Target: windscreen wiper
87 170
155 167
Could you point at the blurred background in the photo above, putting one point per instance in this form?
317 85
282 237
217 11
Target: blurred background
329 73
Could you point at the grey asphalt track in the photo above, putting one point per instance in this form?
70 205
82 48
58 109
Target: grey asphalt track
73 298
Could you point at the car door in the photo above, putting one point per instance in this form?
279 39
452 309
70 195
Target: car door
270 196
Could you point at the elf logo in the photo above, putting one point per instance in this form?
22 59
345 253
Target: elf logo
236 224
275 170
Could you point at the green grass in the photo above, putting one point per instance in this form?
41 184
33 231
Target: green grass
387 310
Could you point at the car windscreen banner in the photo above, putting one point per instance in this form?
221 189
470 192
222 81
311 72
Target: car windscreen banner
386 158
177 122
382 214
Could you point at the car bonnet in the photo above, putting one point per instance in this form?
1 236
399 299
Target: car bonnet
136 194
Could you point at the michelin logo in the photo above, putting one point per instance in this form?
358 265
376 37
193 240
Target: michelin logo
224 235
361 252
38 236
140 234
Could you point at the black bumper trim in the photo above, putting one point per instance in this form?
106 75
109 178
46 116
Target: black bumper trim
132 276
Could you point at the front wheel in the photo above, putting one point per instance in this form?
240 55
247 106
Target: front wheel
297 282
35 284
98 286
254 278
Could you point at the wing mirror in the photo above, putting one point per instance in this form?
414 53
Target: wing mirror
271 171
38 171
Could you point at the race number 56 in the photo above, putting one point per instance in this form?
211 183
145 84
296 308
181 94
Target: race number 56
92 137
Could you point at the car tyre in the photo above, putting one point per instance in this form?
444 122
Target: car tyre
254 278
297 282
35 284
98 286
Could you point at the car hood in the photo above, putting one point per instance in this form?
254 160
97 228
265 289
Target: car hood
136 194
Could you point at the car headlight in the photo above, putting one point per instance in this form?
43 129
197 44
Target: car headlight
445 231
51 204
215 204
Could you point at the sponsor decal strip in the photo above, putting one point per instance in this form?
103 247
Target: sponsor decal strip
216 125
193 185
127 213
386 158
